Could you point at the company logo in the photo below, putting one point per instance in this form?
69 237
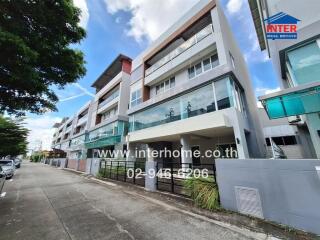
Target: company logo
281 26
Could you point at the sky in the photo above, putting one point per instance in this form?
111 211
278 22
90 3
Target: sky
128 27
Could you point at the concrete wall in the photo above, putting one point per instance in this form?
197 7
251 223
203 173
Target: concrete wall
289 189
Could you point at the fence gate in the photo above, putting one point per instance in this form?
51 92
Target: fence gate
125 171
171 176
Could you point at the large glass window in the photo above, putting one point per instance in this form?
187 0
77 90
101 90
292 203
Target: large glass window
136 98
304 63
197 102
223 94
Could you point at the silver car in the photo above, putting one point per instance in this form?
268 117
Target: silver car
2 179
8 167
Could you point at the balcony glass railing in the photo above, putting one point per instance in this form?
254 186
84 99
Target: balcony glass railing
109 130
109 98
183 47
217 95
78 140
293 104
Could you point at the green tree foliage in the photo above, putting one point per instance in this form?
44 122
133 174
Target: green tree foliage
36 38
13 137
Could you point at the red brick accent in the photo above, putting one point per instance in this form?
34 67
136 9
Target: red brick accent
126 66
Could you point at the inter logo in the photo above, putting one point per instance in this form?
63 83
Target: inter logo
281 26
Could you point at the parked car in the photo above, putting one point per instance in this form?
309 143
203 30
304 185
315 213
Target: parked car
17 162
8 167
2 179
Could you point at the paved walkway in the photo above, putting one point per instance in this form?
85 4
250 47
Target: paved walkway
42 202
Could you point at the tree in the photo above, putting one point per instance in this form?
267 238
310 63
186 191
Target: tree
13 137
36 39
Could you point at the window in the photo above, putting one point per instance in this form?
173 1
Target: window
222 94
112 112
136 98
282 141
303 64
206 64
198 68
214 61
191 72
203 66
165 86
172 82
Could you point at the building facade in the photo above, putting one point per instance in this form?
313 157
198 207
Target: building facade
102 123
191 90
297 64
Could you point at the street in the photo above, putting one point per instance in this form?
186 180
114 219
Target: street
42 202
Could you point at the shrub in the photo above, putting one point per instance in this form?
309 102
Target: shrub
204 192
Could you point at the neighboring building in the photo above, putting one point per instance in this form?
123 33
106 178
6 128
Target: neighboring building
295 143
191 90
109 119
297 64
102 123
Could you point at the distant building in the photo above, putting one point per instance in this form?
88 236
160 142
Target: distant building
297 62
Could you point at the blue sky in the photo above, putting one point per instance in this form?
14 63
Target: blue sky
120 26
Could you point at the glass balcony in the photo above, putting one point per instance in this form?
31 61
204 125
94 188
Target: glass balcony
109 98
218 95
293 104
78 140
110 130
183 47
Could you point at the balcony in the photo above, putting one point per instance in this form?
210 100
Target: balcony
82 120
181 54
292 102
68 129
106 135
109 99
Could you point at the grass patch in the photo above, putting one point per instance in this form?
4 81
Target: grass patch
204 192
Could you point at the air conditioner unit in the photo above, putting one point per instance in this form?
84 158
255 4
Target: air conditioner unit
294 119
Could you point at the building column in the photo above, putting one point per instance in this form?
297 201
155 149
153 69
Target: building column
239 135
313 123
186 155
151 170
131 152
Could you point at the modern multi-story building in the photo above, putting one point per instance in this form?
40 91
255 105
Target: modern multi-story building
191 90
101 123
296 61
109 119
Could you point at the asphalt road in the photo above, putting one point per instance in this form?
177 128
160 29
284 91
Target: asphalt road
42 202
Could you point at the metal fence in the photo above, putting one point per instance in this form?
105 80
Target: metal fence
125 171
171 176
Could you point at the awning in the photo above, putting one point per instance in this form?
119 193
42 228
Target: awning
292 102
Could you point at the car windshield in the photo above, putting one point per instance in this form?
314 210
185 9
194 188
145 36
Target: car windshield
6 163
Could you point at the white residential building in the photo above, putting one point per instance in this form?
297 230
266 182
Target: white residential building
191 90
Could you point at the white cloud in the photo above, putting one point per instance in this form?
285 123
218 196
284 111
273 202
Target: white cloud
41 131
149 18
264 91
84 17
234 6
